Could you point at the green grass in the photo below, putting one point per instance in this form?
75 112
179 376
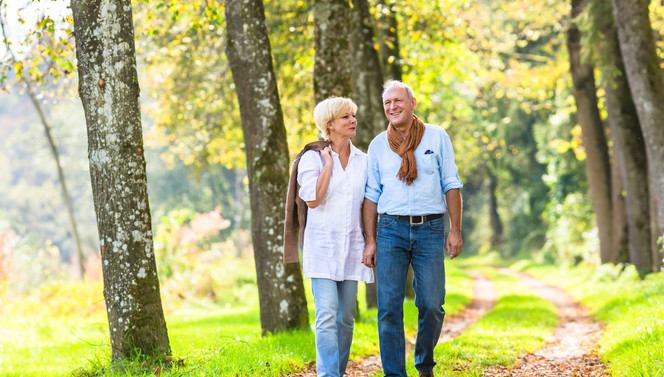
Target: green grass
61 330
632 309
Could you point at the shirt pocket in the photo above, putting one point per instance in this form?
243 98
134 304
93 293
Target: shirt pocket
428 162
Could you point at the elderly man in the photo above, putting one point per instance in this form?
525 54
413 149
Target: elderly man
412 182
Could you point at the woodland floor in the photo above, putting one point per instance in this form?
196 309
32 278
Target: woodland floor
571 350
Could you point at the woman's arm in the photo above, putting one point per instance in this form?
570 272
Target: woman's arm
323 180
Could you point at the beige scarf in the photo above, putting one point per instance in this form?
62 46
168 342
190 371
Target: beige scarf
405 148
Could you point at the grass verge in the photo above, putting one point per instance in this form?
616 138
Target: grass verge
207 339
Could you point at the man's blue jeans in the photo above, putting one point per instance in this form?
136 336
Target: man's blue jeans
334 319
399 244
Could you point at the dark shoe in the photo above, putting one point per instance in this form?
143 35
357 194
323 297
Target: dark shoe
426 374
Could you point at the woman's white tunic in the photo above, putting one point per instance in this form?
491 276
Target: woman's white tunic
333 241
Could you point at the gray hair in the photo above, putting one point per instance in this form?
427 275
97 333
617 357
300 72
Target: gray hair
391 84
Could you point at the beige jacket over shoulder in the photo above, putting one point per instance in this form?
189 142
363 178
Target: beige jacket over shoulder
296 208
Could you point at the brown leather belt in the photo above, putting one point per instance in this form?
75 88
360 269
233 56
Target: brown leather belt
417 219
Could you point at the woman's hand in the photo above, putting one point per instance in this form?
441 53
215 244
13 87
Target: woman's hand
326 154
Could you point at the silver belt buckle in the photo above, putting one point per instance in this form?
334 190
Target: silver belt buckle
417 223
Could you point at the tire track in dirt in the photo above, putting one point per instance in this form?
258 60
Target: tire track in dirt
484 298
570 351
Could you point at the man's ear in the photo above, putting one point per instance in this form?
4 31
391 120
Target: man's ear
414 103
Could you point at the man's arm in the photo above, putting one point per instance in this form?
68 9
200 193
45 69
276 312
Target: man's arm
369 217
454 209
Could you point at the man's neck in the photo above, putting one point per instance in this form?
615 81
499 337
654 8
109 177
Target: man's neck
403 129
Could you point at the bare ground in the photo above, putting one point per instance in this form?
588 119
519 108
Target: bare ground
571 350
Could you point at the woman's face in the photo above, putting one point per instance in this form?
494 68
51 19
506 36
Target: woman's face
345 126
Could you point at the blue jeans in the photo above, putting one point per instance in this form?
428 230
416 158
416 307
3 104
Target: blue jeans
334 319
398 245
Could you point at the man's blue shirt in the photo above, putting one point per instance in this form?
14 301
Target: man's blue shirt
436 174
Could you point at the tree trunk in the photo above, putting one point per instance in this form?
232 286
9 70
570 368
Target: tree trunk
238 186
389 41
56 157
620 226
367 78
496 224
332 72
63 183
629 149
283 305
598 167
646 84
371 295
108 86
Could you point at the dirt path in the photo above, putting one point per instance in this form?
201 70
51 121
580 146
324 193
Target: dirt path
571 350
484 297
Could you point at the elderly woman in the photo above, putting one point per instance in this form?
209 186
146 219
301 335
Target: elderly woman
332 185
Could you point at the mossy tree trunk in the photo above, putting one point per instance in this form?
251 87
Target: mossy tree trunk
332 69
598 167
629 151
367 78
108 87
283 305
646 84
388 36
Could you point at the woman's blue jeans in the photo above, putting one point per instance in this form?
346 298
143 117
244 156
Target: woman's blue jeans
334 319
399 244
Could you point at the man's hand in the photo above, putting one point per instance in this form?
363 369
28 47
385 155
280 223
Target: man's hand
369 255
454 209
454 244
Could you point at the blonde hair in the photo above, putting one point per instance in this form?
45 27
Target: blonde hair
330 109
391 84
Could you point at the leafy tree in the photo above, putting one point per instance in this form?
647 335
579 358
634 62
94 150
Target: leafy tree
36 76
108 86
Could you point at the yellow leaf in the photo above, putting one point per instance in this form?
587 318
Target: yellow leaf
18 67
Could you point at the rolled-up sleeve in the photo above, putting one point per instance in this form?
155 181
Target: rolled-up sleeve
373 190
308 171
448 172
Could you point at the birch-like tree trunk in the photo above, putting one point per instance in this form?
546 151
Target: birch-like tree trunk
646 84
283 305
332 70
598 168
108 86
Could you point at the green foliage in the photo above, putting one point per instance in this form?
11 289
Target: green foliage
571 237
193 101
631 343
40 51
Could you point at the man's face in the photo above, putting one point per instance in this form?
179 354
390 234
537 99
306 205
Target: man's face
398 108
